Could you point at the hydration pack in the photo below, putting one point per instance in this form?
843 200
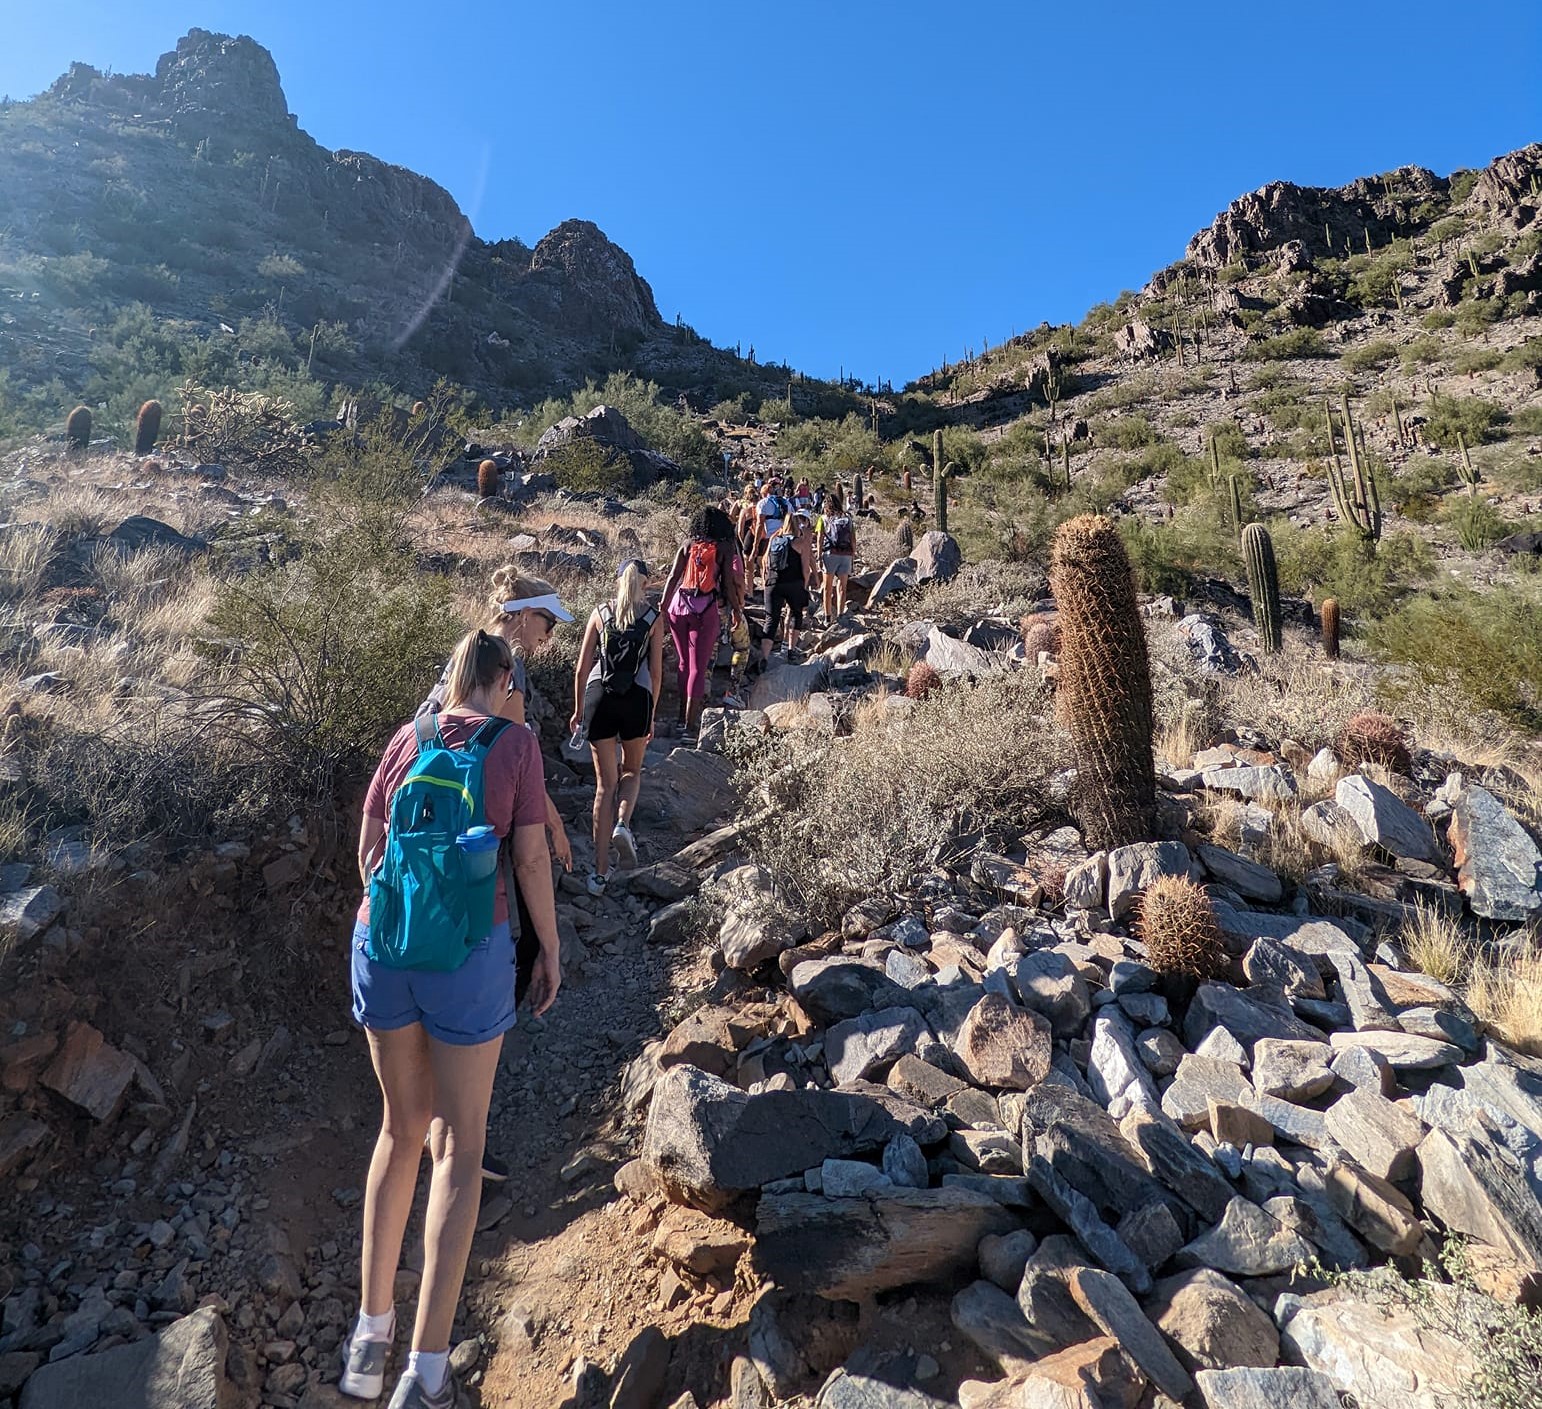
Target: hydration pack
621 652
838 534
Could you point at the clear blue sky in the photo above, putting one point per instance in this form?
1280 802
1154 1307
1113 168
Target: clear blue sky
862 185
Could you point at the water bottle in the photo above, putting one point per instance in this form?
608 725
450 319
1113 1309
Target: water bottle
579 739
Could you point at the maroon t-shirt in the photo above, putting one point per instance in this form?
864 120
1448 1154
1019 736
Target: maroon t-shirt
513 782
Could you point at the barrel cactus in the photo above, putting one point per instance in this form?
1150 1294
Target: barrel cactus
1369 737
1178 926
921 680
77 430
1104 693
487 479
1330 627
1263 584
147 427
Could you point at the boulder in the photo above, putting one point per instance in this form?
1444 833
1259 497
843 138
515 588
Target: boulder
1257 1388
1086 1148
937 557
1499 867
1048 982
1277 964
707 1142
1080 1215
181 1368
1113 1068
89 1072
1255 784
1387 1357
953 658
1213 1323
995 1323
1247 1242
832 989
1379 1135
899 576
848 1249
1107 1303
1249 879
1291 1070
1173 1158
1331 826
1378 1211
1132 868
1248 1016
864 1046
1004 1046
1003 1256
1199 1081
883 1389
1402 1051
1385 820
26 913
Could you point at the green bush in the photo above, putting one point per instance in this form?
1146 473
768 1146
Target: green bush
1198 541
1475 359
1371 357
1487 646
1125 432
1424 352
1525 358
584 466
1322 562
328 654
1476 523
1438 319
1297 342
1475 419
1372 276
662 427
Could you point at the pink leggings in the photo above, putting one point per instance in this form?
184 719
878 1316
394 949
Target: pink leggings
695 638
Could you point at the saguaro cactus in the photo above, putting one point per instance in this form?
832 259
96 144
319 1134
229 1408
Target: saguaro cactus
939 483
1104 695
77 430
147 427
1355 497
1235 482
1330 627
1263 584
1466 469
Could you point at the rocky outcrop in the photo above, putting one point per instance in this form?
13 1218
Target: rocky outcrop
593 284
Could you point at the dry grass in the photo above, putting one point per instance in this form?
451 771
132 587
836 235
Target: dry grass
1436 945
138 582
1505 991
25 552
81 511
181 617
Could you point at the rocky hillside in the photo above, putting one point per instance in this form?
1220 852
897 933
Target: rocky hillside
194 192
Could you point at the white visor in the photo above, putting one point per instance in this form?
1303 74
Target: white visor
545 603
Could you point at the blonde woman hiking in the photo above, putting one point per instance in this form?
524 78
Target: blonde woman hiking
615 695
433 988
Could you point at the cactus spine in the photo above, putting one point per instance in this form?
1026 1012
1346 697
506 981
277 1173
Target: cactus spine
1179 928
1356 497
77 430
1330 627
1104 694
487 479
1263 584
1466 469
147 427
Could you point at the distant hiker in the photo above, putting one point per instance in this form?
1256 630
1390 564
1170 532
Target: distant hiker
770 515
788 559
706 578
803 496
433 987
745 522
615 694
839 544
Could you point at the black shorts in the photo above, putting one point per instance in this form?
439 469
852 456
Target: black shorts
627 717
792 599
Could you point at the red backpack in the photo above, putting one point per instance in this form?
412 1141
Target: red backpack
701 568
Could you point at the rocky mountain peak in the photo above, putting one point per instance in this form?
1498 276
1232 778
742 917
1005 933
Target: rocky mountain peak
600 286
215 75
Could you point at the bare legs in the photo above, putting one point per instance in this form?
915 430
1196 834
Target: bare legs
632 751
423 1080
606 767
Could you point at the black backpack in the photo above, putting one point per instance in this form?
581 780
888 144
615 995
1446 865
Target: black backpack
779 553
621 652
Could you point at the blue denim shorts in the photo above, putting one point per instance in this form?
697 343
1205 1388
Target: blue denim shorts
465 1007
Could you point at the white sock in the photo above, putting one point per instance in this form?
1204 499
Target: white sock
376 1328
430 1366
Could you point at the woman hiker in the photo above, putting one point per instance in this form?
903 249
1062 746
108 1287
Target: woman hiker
706 576
435 1033
615 696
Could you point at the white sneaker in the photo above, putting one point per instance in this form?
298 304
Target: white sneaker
364 1362
625 844
596 883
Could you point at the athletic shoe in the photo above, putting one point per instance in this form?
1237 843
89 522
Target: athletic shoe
596 883
364 1365
625 844
494 1170
411 1393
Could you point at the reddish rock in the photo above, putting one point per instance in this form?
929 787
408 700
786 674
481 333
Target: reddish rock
89 1072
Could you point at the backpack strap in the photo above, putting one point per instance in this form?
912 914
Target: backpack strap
487 735
426 727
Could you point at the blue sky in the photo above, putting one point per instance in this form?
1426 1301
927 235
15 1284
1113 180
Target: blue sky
856 185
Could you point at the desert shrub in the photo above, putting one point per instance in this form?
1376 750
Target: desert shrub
1485 646
25 552
1471 360
1126 432
1319 562
368 480
1424 352
1525 358
1473 418
663 427
1372 276
1370 357
1415 489
328 654
1476 523
1196 542
1296 342
904 791
587 467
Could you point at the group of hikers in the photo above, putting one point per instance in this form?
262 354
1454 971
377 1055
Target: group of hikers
458 921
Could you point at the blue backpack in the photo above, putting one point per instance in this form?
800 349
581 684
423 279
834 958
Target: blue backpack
429 906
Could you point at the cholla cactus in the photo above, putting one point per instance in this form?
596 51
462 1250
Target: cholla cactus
77 430
487 479
1178 926
921 680
147 427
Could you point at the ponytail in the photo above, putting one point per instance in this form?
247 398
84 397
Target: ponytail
631 598
479 659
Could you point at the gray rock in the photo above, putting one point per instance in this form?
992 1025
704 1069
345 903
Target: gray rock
1308 934
1108 1304
1207 643
1379 1135
1132 868
1220 1046
863 1046
1160 1051
954 659
1172 1157
848 1249
993 1320
1152 1232
1201 1080
1086 883
1499 867
181 1368
1147 1009
850 1178
1249 879
1246 1015
904 1163
1079 1214
1247 1242
1049 983
1254 784
1113 1069
1273 962
906 969
1331 826
707 1142
1367 1011
923 1084
1385 820
1402 1051
842 986
937 557
1477 1188
750 936
1259 1388
1362 1068
27 913
1312 1216
1086 1148
1291 1070
1003 1256
1441 1024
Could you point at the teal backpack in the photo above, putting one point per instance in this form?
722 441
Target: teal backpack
426 908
